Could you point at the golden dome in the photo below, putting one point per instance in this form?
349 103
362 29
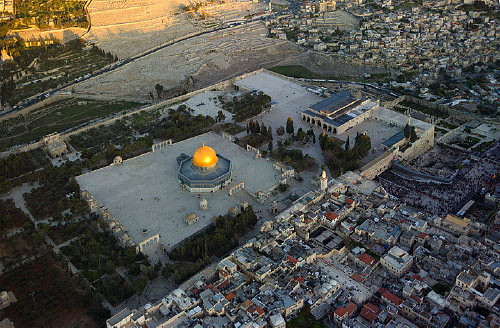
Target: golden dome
204 157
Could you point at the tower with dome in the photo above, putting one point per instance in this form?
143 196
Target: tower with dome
205 171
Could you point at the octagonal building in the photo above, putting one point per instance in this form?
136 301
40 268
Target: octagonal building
205 171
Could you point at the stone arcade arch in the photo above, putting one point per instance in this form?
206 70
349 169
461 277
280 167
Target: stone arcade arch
161 145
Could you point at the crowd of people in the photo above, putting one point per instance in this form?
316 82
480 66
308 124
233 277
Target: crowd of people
441 199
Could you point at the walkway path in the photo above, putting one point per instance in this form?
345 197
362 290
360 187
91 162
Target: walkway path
57 248
16 194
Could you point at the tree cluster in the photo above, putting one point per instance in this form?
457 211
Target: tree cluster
248 105
409 132
51 199
255 128
217 241
97 254
304 137
11 216
98 51
340 159
17 164
181 124
195 253
294 158
61 13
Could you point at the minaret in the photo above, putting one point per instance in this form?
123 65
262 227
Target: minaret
323 181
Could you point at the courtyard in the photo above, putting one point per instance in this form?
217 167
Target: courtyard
158 204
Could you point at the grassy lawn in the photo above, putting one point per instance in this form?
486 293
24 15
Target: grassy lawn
61 116
447 125
441 113
295 71
304 319
254 140
230 128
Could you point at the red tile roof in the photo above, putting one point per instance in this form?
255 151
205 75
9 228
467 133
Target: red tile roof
367 259
252 308
230 296
357 277
416 299
422 235
223 273
351 307
392 298
417 277
223 284
246 304
340 311
300 279
331 216
372 307
369 312
349 310
292 259
260 311
349 201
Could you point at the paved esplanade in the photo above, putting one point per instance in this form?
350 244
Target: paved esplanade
144 193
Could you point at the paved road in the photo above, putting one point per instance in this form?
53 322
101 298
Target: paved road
121 63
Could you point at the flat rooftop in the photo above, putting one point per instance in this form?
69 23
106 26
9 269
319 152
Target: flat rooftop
143 192
396 118
336 102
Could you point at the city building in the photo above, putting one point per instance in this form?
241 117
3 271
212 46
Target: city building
396 261
339 112
7 6
55 145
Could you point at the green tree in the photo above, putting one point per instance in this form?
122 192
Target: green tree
413 135
159 90
289 126
407 131
280 131
263 129
220 116
270 133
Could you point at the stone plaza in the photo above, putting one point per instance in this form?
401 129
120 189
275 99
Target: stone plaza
144 196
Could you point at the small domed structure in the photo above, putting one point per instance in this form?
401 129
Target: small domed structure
205 157
203 204
117 160
191 218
